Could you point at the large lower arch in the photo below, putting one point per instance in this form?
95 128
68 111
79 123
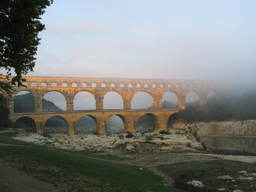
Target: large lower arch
115 124
113 100
142 100
27 123
84 100
86 125
54 101
192 99
171 120
24 102
146 123
170 100
56 125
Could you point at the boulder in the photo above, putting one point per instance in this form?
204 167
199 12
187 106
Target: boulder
196 183
129 147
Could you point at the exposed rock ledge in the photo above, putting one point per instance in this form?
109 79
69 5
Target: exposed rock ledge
222 128
236 137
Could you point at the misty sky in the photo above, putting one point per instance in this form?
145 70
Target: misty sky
174 39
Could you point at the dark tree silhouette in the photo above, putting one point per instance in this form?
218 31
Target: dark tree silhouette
19 28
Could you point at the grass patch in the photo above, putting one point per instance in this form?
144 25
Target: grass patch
120 177
4 138
100 155
207 172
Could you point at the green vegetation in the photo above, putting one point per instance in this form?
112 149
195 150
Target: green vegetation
20 25
228 107
207 172
118 177
26 103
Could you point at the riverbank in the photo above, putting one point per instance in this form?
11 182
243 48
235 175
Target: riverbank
176 169
228 137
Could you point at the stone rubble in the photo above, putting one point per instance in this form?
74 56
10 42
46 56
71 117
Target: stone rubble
164 142
196 183
243 176
225 177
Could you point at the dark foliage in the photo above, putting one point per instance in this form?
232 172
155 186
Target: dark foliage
23 103
19 28
4 112
228 107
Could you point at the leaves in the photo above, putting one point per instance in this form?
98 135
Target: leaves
19 28
229 107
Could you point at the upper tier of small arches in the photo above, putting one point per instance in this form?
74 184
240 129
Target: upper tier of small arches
142 84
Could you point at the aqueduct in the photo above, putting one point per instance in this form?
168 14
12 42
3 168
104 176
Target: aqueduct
99 87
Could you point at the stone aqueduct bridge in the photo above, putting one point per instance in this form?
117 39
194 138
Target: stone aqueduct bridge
127 88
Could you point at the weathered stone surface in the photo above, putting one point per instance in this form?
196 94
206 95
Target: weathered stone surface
246 178
237 190
99 87
129 147
225 177
196 183
101 143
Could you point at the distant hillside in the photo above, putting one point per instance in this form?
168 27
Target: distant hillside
50 106
25 103
167 104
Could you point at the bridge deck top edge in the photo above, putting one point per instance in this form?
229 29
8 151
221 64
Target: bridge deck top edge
94 111
51 78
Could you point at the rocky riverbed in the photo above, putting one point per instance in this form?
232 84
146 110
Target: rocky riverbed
177 157
125 141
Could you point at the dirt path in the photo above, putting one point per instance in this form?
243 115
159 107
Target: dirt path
13 180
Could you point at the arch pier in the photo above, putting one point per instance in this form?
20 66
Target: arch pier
68 90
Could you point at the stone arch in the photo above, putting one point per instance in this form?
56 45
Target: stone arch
54 101
64 84
56 124
192 99
84 100
170 100
112 85
146 123
211 95
33 84
130 85
113 100
122 84
138 85
43 84
115 124
54 84
86 125
142 100
24 101
146 85
27 123
103 84
171 120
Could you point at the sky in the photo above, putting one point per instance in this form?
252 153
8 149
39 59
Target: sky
170 39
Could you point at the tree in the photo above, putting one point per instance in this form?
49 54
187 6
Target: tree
19 28
4 112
